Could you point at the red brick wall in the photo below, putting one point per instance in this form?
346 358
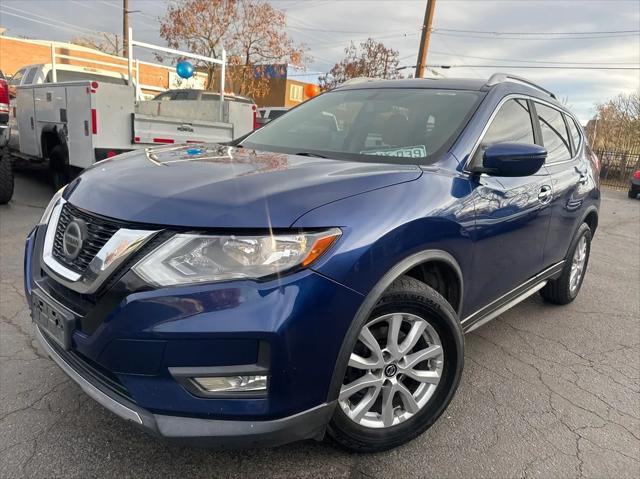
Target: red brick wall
16 53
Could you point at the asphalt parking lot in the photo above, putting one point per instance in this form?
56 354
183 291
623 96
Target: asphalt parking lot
546 392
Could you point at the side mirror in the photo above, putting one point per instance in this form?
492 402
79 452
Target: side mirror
512 159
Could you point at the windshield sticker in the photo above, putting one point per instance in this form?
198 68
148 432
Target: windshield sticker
418 151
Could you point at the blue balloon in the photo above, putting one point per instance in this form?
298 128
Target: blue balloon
184 69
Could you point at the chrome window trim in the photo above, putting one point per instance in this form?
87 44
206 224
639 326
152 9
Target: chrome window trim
115 251
581 138
494 113
562 112
516 96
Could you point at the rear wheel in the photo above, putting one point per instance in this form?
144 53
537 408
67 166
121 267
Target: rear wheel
403 370
632 194
59 170
6 176
565 289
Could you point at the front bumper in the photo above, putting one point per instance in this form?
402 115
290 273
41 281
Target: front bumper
220 433
129 340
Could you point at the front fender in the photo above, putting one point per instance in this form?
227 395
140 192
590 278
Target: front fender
382 228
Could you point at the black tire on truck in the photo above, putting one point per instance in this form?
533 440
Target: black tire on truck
59 170
6 176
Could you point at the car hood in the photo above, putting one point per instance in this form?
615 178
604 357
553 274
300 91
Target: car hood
214 186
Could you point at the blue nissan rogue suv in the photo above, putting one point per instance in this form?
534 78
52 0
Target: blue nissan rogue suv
315 277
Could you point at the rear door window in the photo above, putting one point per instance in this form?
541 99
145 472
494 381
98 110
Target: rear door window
554 133
575 133
31 74
511 124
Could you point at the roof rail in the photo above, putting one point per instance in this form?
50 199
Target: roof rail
497 78
356 80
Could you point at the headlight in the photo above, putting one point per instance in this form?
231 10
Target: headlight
192 258
52 204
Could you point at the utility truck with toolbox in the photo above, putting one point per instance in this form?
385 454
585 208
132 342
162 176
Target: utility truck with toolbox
68 126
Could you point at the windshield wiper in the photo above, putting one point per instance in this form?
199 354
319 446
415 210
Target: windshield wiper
306 153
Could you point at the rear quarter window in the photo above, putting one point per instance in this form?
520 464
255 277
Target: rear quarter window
575 132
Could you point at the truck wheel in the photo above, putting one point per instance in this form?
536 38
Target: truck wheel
565 289
6 176
59 170
403 371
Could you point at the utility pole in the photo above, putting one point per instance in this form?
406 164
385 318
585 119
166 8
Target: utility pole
424 41
125 27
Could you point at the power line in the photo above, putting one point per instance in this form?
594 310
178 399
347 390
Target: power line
355 32
535 33
529 61
542 67
63 24
503 37
49 24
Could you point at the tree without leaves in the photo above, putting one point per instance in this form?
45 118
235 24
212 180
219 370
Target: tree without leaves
251 31
618 124
373 60
107 44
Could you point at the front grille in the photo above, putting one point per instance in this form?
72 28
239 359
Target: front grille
99 231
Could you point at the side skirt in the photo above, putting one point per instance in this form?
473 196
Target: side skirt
510 299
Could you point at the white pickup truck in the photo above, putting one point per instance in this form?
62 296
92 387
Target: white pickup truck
69 126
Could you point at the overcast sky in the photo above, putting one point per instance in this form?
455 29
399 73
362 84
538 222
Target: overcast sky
326 27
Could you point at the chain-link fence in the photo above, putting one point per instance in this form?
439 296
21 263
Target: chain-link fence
617 167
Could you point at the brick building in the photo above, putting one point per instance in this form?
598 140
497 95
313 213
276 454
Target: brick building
287 84
16 53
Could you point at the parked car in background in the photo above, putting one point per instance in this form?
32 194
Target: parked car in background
6 170
634 186
316 276
266 114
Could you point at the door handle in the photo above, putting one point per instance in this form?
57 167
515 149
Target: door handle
583 175
545 195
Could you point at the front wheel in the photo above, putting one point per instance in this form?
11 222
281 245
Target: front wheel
564 289
6 176
403 370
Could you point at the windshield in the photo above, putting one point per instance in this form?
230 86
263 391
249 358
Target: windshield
395 123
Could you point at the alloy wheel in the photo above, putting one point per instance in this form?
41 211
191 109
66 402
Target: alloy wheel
578 263
393 371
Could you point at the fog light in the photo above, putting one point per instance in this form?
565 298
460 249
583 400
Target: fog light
232 384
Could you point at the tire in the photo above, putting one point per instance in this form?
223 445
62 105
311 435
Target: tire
405 298
632 194
6 176
59 171
560 290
